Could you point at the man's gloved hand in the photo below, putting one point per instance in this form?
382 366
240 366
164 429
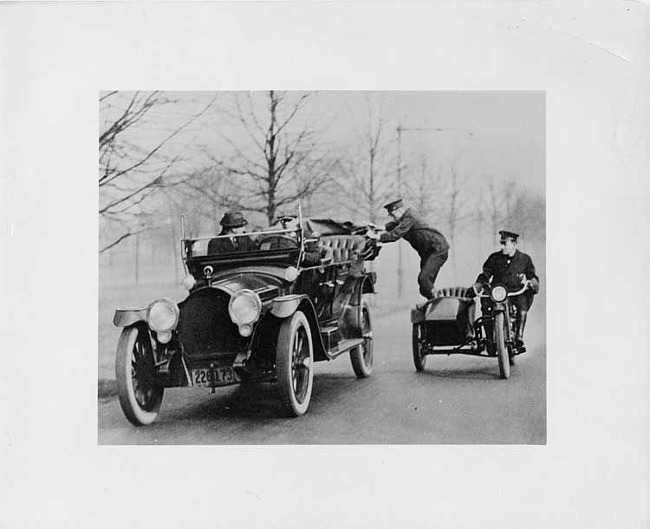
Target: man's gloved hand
533 284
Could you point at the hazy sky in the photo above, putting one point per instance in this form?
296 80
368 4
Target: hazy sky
489 134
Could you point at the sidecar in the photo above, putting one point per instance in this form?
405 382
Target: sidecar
445 325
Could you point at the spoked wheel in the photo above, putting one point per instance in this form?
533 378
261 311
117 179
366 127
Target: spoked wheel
139 393
294 363
362 356
502 350
419 358
511 355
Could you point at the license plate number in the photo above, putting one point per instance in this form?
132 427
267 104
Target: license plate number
219 376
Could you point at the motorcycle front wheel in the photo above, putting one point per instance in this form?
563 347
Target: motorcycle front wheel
502 350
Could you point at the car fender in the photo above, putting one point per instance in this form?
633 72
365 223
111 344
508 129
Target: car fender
368 286
284 306
127 317
417 315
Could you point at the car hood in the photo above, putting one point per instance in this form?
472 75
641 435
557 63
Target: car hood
267 283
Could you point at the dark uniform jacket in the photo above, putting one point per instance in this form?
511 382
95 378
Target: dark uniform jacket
424 239
506 270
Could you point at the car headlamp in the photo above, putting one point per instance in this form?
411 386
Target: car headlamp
245 330
499 293
164 337
291 273
188 282
245 307
162 315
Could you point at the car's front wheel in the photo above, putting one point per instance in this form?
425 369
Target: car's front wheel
294 363
139 393
362 355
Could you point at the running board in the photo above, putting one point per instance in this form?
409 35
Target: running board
454 348
344 346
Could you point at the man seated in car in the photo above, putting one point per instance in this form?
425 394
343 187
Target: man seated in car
512 269
315 252
233 224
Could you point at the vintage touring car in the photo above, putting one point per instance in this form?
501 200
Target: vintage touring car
257 311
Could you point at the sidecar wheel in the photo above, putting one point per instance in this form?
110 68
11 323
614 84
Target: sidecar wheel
294 363
502 350
419 358
139 392
362 356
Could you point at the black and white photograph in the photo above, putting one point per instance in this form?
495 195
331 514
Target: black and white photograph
365 261
324 264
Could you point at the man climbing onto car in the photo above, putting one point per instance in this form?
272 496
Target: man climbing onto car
429 243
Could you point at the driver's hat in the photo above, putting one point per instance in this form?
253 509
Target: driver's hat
395 204
505 235
233 219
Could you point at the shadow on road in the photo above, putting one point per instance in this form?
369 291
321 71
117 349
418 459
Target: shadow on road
461 374
259 401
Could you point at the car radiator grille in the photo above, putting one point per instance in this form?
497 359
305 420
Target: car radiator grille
205 328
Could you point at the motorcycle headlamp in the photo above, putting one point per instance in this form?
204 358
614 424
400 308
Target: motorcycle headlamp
499 293
162 315
245 307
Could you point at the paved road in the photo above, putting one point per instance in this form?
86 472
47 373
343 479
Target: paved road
457 400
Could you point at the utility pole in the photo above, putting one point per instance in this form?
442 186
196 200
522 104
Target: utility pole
400 263
400 184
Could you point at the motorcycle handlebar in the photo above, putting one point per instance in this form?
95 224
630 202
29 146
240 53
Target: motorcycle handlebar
510 294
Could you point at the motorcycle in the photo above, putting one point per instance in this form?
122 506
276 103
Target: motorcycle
446 325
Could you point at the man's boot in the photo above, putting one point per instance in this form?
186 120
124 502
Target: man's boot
519 335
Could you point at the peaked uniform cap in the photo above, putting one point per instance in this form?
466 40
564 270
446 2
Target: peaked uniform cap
287 216
233 219
391 206
508 235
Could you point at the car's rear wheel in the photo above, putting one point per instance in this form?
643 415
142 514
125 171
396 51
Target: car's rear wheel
419 358
362 356
502 350
139 392
294 363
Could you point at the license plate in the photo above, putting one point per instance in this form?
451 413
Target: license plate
219 376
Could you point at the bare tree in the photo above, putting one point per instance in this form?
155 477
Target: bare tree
424 191
274 157
526 214
509 206
460 207
129 171
364 182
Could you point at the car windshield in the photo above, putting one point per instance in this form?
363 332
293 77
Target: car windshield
269 240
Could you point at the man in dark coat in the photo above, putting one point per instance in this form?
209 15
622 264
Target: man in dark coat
512 269
429 243
233 224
